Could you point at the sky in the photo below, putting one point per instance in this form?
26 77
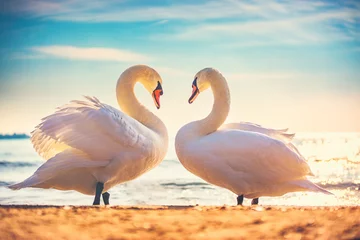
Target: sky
288 63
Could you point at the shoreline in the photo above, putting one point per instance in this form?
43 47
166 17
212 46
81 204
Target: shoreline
179 222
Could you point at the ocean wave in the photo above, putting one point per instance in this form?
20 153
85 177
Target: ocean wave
4 164
343 185
345 159
184 184
187 185
4 184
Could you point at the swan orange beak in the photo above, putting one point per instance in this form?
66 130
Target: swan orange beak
156 95
195 92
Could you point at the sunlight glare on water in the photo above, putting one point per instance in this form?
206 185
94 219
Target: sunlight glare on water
333 157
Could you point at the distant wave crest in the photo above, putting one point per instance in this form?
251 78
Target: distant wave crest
344 185
186 185
4 184
5 164
335 159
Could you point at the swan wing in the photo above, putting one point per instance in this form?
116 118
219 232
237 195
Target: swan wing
250 155
97 129
280 134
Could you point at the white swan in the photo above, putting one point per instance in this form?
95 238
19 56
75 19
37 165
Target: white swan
245 158
90 146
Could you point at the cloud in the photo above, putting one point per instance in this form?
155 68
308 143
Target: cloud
91 54
42 8
311 28
239 23
120 11
21 55
162 22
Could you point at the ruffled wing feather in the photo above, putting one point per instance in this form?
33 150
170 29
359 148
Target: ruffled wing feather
96 129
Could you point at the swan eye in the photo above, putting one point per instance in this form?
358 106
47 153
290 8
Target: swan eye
195 91
159 87
156 95
195 82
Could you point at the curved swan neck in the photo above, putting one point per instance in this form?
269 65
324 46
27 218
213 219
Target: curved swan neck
221 106
130 105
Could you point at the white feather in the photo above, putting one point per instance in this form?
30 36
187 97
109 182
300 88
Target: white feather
61 163
245 158
280 134
86 141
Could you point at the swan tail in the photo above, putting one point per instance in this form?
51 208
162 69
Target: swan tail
60 163
283 136
29 182
282 130
308 185
288 136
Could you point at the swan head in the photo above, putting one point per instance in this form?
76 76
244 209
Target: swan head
201 82
152 82
153 86
148 77
158 91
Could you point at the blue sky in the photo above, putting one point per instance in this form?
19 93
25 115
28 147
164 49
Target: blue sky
289 63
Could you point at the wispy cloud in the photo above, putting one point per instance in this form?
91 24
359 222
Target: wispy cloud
22 55
120 11
268 22
310 28
43 8
162 22
79 53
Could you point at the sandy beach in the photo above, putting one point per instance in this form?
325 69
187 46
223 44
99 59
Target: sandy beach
193 222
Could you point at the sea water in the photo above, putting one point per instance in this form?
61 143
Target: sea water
333 157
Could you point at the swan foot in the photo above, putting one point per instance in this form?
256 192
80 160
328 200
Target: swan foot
99 189
240 199
255 201
106 197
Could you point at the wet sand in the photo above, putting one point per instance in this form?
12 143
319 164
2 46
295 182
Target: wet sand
197 222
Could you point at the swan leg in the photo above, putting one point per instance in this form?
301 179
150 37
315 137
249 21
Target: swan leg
99 189
240 199
255 201
106 197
